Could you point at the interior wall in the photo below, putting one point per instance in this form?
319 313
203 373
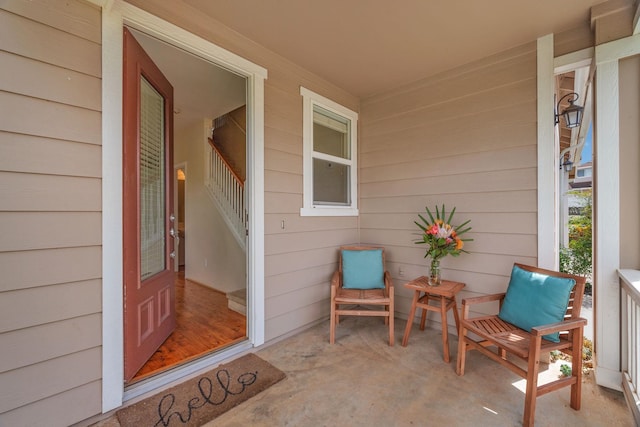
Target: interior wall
213 256
629 160
465 139
231 138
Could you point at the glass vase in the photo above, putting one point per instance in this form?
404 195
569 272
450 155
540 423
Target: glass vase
434 273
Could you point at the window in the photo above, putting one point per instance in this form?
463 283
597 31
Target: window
582 173
329 156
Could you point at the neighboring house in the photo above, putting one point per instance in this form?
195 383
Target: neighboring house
584 177
475 137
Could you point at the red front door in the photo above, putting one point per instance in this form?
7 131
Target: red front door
148 226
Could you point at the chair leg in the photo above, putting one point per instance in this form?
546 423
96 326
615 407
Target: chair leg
332 324
456 316
532 381
391 332
576 370
462 351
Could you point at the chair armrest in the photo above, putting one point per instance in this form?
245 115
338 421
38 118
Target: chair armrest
388 283
559 326
483 299
335 280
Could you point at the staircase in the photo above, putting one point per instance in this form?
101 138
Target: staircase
225 184
227 191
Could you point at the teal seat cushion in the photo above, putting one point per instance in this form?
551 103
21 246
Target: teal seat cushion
535 299
362 269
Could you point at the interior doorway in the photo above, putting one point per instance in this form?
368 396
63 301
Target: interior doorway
180 184
210 264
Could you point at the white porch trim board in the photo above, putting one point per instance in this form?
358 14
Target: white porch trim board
115 14
547 158
606 208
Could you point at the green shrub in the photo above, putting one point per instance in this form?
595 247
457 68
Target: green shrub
577 258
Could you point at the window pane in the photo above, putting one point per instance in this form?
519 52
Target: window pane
330 183
331 133
152 182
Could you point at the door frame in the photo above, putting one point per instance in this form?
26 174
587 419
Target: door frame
115 15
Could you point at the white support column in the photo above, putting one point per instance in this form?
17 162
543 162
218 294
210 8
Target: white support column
547 158
607 225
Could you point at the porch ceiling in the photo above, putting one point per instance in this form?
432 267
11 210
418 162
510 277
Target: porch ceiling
369 46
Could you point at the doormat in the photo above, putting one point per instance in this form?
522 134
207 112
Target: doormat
203 398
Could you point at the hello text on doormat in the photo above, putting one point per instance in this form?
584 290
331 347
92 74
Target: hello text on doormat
203 398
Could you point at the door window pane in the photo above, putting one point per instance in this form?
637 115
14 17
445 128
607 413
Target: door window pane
152 181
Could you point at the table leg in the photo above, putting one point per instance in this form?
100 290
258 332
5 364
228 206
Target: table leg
412 312
445 329
423 317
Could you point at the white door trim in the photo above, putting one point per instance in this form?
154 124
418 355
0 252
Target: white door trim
115 15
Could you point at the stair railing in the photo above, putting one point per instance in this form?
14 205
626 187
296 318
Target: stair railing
227 190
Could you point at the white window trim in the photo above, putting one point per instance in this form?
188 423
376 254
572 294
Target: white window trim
308 208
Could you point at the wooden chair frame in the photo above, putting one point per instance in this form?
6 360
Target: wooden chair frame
341 297
528 346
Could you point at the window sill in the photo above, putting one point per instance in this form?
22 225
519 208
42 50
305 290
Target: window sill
329 211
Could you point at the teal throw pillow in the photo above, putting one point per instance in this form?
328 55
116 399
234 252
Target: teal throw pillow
362 269
535 299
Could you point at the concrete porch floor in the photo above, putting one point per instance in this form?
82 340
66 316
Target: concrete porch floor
361 381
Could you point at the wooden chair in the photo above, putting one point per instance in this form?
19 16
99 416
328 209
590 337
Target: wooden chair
364 267
494 332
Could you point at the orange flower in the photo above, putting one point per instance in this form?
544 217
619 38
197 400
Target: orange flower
459 244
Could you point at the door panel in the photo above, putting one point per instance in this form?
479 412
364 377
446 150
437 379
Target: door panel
149 289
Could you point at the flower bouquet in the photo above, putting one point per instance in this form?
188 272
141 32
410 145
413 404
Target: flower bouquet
443 239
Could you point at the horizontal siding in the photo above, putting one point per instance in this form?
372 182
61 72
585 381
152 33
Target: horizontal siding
31 192
450 137
294 223
24 35
46 230
30 269
297 261
501 222
47 156
41 117
49 304
45 81
50 203
86 402
281 325
290 281
23 386
49 341
465 163
78 18
466 139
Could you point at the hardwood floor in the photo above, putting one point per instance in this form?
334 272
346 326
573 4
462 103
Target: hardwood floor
204 324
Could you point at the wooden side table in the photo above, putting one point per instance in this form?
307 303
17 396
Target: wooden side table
444 295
